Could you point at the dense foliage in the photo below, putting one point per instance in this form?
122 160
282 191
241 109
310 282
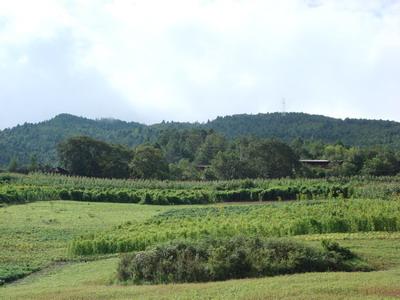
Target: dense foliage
148 163
218 158
238 257
23 142
270 220
259 158
84 156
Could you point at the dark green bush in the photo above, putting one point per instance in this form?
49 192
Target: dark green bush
6 178
64 195
332 246
238 257
76 195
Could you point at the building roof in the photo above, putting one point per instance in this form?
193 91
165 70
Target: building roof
319 161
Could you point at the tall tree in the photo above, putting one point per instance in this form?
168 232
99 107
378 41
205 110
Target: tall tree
272 159
85 156
149 163
228 165
13 165
383 164
213 144
33 165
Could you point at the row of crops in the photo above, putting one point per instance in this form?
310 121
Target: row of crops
21 194
69 182
36 187
269 220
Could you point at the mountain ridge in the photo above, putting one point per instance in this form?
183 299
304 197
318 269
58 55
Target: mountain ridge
40 139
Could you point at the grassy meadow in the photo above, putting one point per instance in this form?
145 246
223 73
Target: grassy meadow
95 280
63 249
35 235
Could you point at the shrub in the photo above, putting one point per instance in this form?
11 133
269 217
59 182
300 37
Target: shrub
238 257
332 246
64 195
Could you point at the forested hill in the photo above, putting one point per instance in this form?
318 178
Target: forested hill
41 139
289 126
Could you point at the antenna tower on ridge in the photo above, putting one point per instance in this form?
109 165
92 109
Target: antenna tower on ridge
283 106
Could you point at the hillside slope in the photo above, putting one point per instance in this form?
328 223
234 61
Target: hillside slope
354 132
41 139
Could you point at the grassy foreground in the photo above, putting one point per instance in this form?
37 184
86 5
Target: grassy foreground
94 280
35 236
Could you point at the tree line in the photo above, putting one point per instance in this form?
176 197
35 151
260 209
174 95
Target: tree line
200 154
40 140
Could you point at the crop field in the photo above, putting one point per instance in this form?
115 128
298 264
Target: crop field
273 220
64 249
38 187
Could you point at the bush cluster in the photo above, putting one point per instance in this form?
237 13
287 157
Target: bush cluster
237 257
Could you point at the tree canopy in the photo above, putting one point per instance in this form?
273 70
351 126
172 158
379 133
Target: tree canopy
85 156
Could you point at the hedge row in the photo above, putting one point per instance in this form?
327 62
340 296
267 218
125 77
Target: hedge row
284 193
20 194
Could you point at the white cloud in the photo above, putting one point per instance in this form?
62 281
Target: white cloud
31 20
194 60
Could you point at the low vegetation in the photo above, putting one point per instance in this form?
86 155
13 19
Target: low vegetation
22 194
270 220
238 257
15 188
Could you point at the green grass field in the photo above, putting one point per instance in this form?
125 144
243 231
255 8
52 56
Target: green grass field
36 236
94 280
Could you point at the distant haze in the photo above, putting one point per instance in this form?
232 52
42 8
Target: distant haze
183 60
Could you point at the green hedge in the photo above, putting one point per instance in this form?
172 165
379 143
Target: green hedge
21 194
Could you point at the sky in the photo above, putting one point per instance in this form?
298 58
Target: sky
194 60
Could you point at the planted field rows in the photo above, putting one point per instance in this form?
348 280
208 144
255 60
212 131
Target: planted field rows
274 220
39 187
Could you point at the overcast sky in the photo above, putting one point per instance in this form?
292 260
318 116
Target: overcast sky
154 60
